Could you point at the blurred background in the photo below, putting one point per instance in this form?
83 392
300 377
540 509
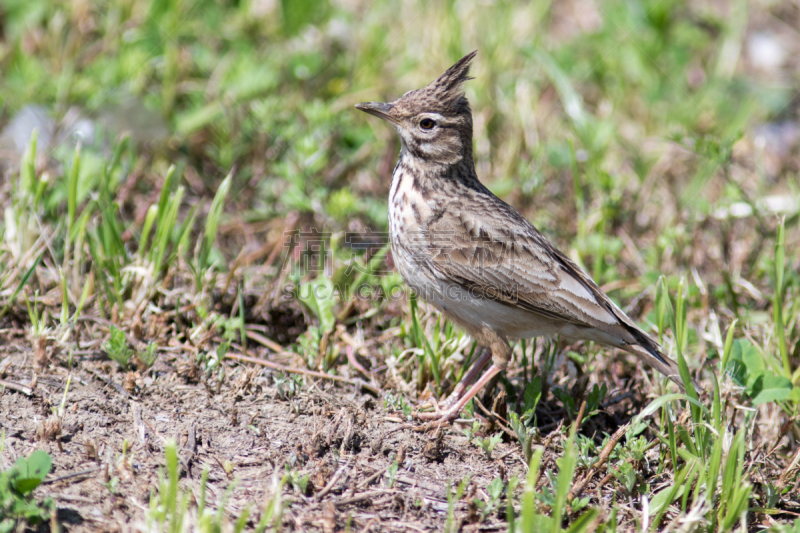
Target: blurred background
162 161
652 131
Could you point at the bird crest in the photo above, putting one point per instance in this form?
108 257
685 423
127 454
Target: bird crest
446 92
448 86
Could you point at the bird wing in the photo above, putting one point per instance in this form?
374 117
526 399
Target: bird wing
497 253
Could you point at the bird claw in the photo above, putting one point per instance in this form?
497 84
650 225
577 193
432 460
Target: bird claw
427 415
452 411
452 400
444 412
449 408
439 415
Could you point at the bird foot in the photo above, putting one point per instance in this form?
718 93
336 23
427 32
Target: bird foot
439 415
444 413
451 401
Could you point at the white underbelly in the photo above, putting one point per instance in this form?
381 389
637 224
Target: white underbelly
474 312
470 310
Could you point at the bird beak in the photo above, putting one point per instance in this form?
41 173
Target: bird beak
379 110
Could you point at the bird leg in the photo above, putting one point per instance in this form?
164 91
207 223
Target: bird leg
499 352
473 374
454 410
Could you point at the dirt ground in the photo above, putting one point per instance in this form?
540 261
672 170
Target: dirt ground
247 425
247 429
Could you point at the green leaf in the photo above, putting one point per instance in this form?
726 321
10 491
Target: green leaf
596 395
746 367
752 358
21 284
319 297
566 471
745 362
518 426
656 404
117 347
39 464
794 396
532 394
768 387
663 313
72 189
737 371
664 498
31 471
777 302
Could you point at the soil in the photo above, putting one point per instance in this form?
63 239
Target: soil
248 430
249 426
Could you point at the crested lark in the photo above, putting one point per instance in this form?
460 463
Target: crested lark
474 257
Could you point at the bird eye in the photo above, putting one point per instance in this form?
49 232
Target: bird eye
426 124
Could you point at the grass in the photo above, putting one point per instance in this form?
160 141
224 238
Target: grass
170 510
228 174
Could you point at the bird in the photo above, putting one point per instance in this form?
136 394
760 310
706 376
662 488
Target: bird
477 259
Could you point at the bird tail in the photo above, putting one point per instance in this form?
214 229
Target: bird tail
657 360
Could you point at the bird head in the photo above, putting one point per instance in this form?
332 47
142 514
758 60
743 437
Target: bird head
435 122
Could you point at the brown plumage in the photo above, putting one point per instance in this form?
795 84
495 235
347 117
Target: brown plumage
474 257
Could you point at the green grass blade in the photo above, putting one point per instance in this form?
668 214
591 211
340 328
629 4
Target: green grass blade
777 301
656 404
673 441
529 511
212 223
565 473
670 495
27 169
72 188
21 284
726 350
149 220
714 464
584 522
